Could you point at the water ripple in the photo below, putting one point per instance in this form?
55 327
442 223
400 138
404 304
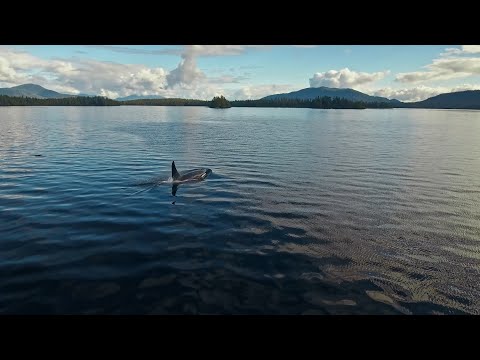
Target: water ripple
306 212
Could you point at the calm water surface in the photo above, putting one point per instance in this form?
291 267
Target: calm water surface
307 211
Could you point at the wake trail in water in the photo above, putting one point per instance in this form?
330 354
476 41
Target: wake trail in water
152 183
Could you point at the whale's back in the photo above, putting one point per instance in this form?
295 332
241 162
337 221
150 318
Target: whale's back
189 175
194 174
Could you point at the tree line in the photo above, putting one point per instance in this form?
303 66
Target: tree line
70 101
166 102
325 102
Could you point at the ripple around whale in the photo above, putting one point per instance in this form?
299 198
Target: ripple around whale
306 211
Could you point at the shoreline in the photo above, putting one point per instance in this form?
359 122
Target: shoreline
250 107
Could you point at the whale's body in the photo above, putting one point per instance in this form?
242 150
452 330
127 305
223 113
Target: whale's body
177 179
193 175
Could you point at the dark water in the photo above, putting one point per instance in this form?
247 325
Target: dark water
306 212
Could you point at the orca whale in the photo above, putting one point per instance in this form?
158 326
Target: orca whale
193 175
177 178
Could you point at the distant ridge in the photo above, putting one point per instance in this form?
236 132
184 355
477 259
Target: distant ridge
469 99
33 91
312 93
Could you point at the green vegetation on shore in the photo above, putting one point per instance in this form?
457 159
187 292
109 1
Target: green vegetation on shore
70 101
217 102
325 102
165 102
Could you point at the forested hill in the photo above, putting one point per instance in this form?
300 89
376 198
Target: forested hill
469 99
323 91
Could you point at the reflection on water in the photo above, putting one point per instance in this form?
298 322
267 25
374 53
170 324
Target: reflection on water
308 211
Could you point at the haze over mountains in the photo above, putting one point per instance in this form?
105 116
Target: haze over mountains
32 90
469 99
138 97
39 92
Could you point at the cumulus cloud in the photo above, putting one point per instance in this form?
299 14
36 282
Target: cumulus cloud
345 78
8 73
187 72
450 65
79 75
259 91
464 49
92 76
421 92
204 92
14 66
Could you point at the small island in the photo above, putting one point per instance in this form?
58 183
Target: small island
219 102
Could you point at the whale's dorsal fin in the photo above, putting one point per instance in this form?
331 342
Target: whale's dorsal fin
175 173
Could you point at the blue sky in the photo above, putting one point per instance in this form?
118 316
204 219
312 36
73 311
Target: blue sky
407 73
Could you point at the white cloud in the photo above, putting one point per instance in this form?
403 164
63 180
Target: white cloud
471 49
453 63
345 78
14 66
421 92
125 79
259 91
79 75
465 49
204 92
187 72
109 94
8 74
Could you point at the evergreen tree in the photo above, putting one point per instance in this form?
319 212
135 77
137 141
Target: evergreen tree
219 102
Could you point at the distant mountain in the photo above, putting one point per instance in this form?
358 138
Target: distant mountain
139 97
469 99
33 91
312 93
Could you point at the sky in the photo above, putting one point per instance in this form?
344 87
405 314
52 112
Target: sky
407 73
